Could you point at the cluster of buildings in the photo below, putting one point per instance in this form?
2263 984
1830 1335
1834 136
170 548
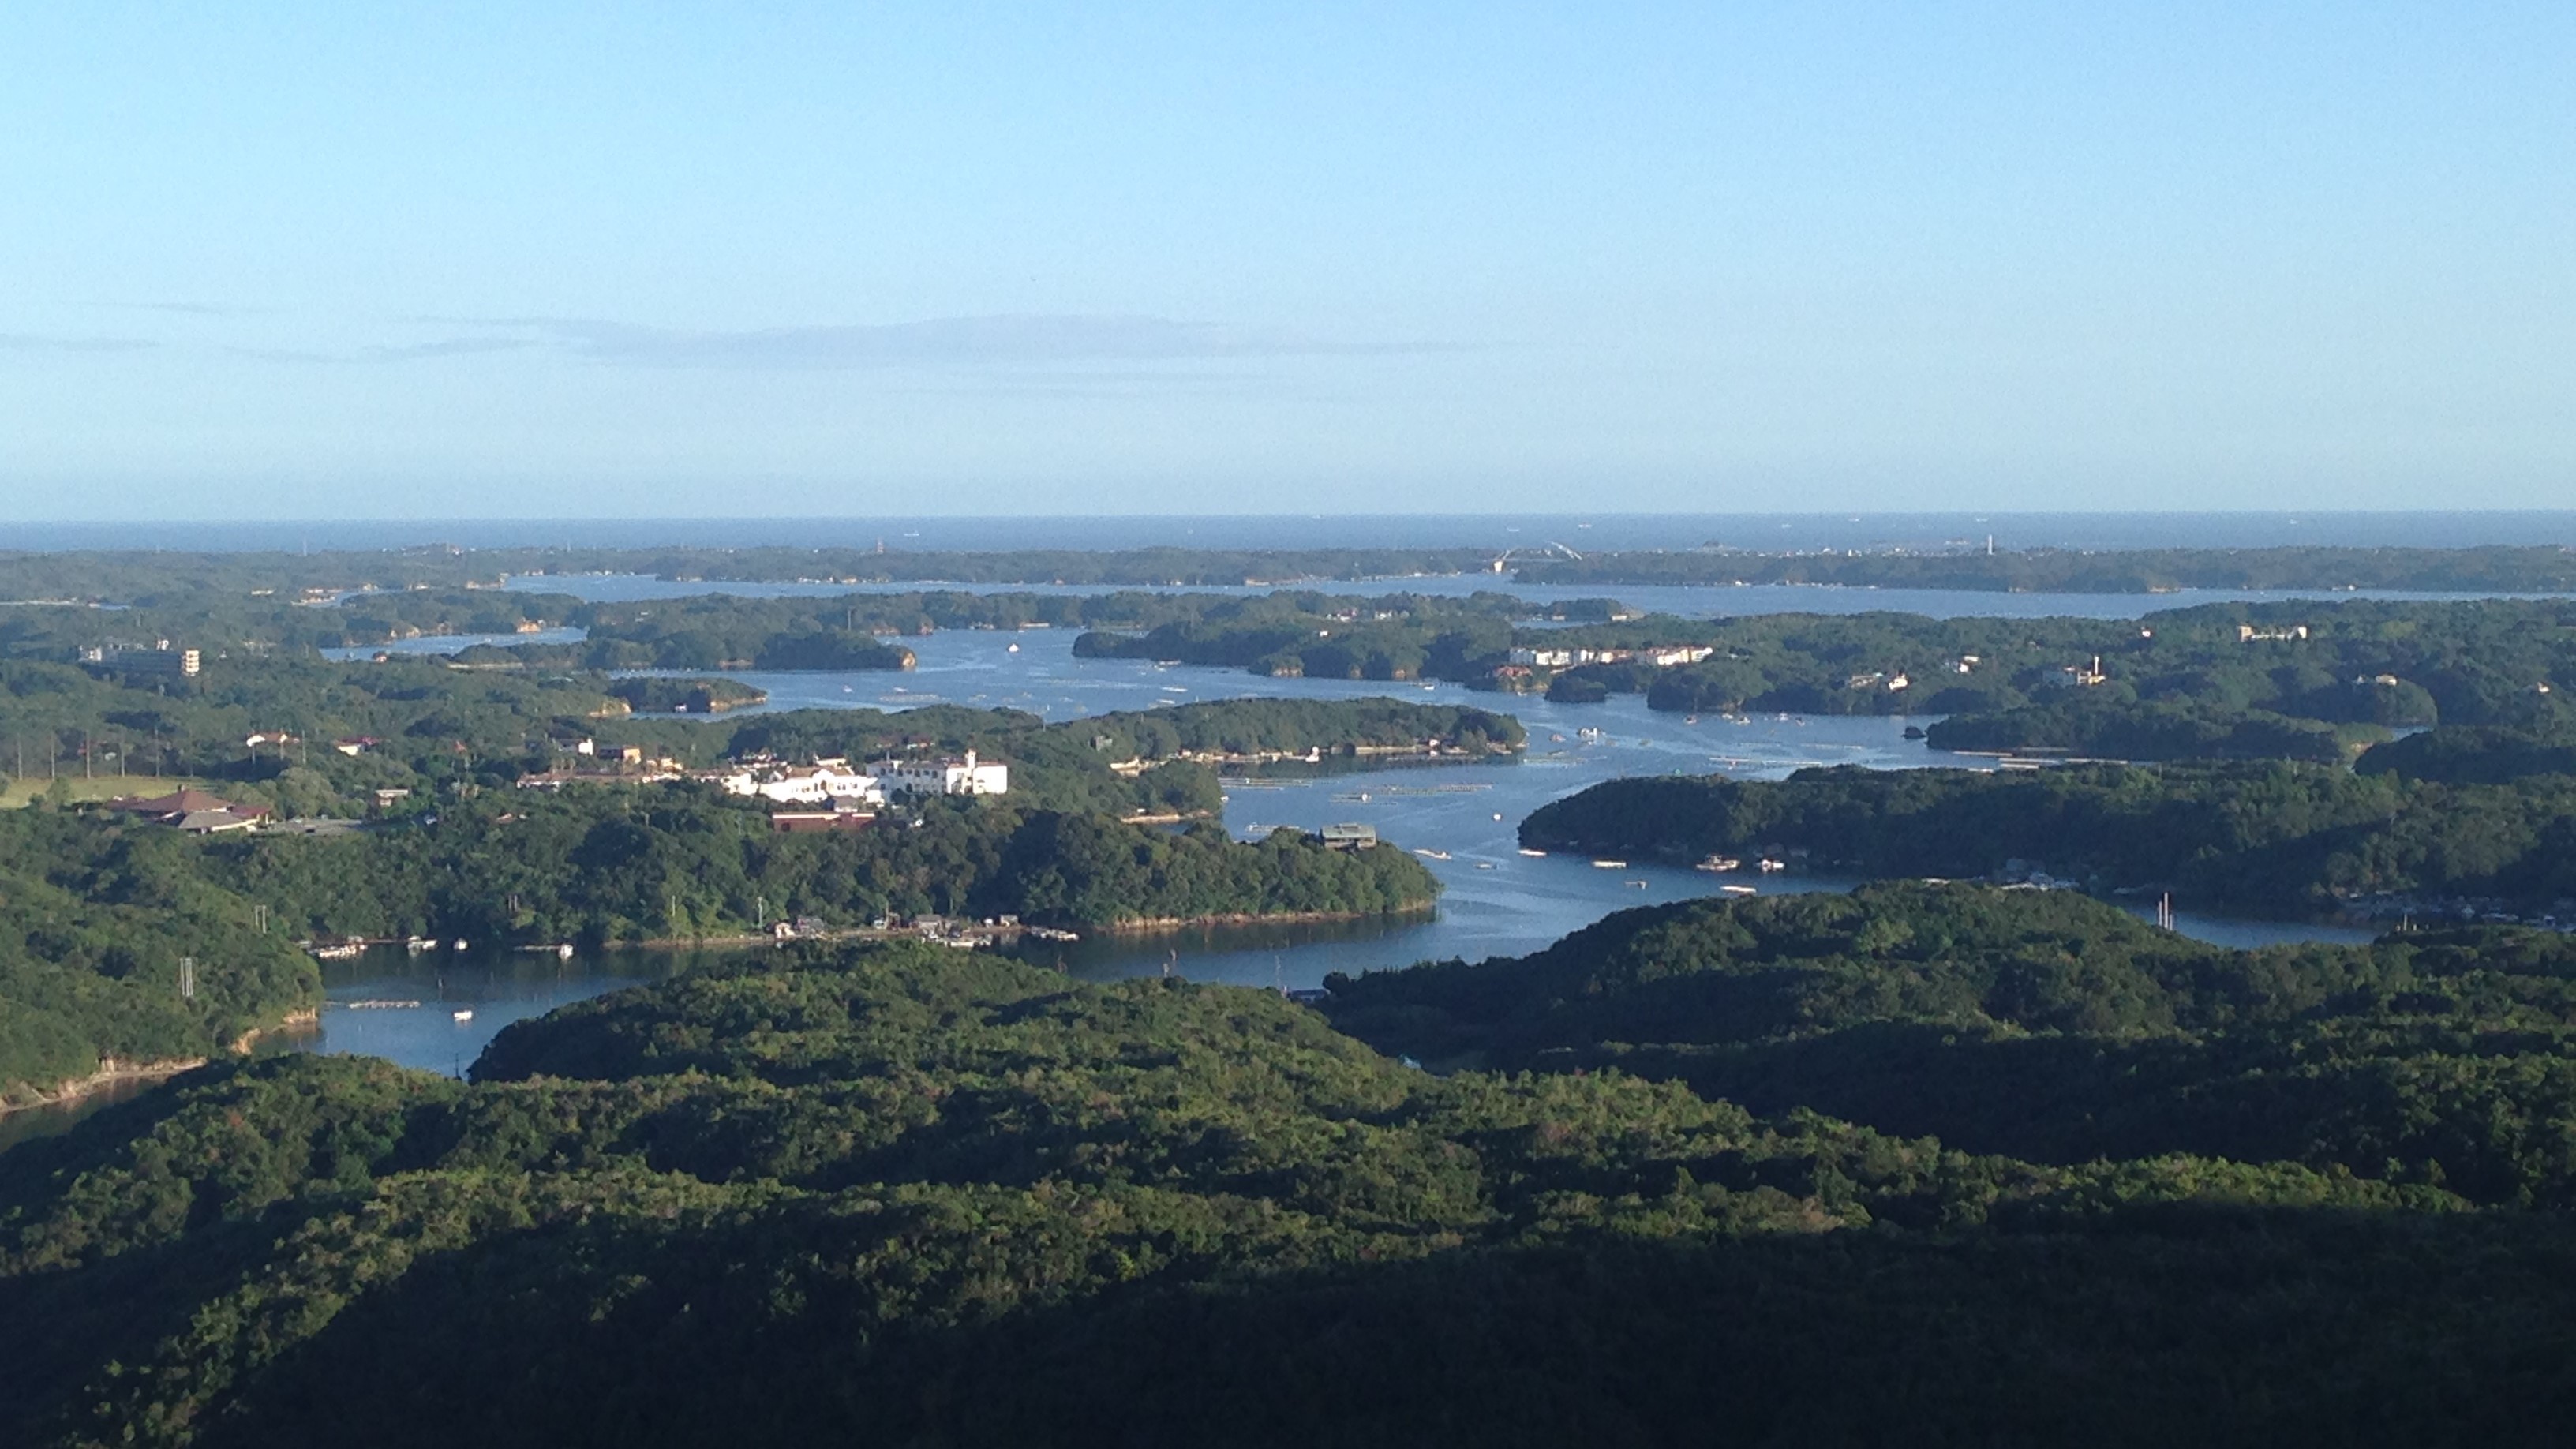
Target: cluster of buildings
834 796
828 794
1662 657
834 782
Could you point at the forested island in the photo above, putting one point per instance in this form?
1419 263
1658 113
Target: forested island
2049 1027
2256 839
596 865
902 1196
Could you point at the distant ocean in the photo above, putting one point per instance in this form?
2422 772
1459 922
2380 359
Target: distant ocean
1497 531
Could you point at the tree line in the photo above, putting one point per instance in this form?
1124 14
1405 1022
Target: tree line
897 1195
2260 838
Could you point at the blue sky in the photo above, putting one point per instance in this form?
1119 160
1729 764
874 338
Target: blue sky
547 260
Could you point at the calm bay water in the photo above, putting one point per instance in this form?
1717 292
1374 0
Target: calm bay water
1497 901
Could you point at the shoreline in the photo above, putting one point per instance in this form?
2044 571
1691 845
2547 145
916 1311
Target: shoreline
307 1018
110 1073
992 934
1161 925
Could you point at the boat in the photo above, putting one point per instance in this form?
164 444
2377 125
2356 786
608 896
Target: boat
1498 815
1609 865
1014 649
563 950
1430 854
345 951
463 1013
1690 719
1719 863
1525 850
457 945
1634 884
1484 865
1767 865
1737 891
418 943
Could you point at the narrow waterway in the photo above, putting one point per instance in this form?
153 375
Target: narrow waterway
1461 818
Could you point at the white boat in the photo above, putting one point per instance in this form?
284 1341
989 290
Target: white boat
1525 850
1430 854
1719 863
463 1014
1737 891
563 951
1766 865
457 945
1609 865
1014 649
1635 885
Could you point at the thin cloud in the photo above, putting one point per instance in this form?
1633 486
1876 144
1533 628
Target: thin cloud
24 342
409 352
940 342
193 309
451 347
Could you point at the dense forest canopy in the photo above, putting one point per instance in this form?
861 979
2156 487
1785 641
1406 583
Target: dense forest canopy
2047 1026
2258 838
594 864
904 1197
2479 755
95 918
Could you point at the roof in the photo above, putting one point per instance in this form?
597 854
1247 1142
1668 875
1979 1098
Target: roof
208 822
180 802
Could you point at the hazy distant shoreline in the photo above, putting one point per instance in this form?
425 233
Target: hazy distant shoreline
1500 531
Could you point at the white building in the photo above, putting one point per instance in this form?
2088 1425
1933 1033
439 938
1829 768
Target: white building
945 777
1676 655
830 782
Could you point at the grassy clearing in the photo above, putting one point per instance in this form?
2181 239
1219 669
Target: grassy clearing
14 793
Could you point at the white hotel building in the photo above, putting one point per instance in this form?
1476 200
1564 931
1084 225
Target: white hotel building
945 777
